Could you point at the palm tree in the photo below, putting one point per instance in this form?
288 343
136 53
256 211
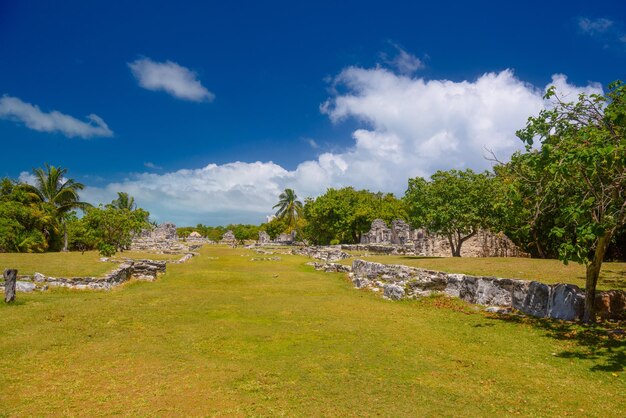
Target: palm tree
52 187
289 207
124 201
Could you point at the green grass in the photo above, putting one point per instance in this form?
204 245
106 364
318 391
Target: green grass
70 264
226 336
612 276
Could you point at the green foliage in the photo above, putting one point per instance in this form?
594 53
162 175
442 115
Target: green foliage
124 201
453 203
106 250
289 208
26 223
113 227
345 214
275 227
582 160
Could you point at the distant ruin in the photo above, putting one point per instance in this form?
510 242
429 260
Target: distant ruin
422 243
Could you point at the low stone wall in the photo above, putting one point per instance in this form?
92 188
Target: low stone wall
136 269
328 254
559 301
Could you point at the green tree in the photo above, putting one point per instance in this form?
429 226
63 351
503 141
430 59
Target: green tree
343 215
52 187
583 153
25 221
124 201
453 203
112 227
289 207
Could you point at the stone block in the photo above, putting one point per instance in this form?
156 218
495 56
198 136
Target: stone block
393 291
537 300
467 290
453 285
566 302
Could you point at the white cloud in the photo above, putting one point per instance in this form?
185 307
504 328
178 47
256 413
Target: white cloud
12 108
152 166
410 127
568 92
594 26
406 63
170 77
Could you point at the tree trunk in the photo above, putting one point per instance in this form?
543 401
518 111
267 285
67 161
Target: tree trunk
540 251
593 271
64 236
10 277
455 249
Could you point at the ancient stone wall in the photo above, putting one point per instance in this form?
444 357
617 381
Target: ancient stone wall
421 242
558 301
161 238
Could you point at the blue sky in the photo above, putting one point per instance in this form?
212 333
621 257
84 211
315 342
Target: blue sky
205 111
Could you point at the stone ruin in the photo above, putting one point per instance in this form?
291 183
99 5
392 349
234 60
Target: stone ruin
161 238
286 239
400 238
264 237
228 238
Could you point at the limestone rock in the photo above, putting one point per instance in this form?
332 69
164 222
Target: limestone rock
393 291
537 300
228 238
493 292
453 285
566 302
22 286
264 237
611 304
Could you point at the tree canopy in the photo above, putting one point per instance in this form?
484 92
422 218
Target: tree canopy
452 203
581 159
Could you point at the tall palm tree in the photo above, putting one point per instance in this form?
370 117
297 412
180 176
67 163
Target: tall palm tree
52 187
124 201
289 207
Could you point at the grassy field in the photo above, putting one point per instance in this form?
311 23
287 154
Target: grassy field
223 335
70 264
612 276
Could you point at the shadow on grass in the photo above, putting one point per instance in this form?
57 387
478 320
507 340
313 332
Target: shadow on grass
604 343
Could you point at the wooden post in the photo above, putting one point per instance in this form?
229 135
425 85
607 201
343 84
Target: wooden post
10 277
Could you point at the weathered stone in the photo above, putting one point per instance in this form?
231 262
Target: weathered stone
228 238
264 237
494 292
453 284
519 291
566 302
39 278
400 232
611 304
22 286
393 291
537 300
360 282
467 290
286 239
378 233
10 276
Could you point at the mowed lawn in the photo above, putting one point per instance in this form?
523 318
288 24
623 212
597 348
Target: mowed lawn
223 335
612 275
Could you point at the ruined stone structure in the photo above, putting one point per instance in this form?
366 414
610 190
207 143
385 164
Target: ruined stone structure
228 238
286 239
161 238
264 237
558 301
421 242
379 233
